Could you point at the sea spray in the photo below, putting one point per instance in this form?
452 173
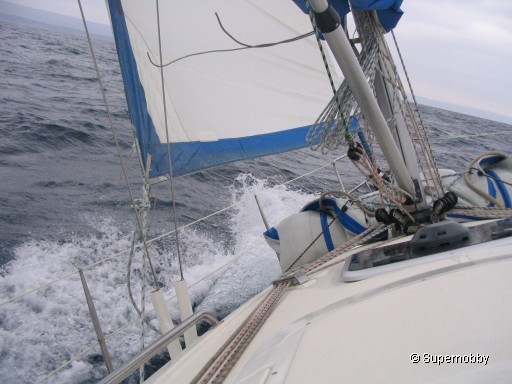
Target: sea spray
47 327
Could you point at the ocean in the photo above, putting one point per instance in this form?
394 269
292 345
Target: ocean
64 205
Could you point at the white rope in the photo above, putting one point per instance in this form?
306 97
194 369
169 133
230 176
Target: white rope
367 235
422 134
330 128
169 160
480 192
152 240
131 323
38 288
93 345
116 140
484 213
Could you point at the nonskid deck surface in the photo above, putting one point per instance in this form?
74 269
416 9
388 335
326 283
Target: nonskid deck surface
449 312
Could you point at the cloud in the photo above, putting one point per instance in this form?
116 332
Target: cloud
459 52
456 51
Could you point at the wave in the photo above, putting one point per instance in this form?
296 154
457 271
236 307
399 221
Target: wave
49 326
55 137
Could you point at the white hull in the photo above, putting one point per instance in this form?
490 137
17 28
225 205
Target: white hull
326 330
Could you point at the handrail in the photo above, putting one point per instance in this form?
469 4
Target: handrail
126 369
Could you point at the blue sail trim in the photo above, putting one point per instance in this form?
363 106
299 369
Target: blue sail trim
190 156
327 232
388 11
194 156
135 96
341 6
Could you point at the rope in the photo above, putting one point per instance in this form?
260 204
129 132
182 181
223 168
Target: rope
348 135
169 160
433 169
485 195
38 288
310 245
93 345
320 47
363 237
488 213
243 46
375 57
218 372
350 197
329 130
385 187
129 287
116 140
413 123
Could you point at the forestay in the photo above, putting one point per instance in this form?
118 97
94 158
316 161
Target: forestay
220 106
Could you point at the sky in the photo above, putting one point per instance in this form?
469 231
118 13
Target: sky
455 51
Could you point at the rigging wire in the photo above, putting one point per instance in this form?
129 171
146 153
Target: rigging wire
118 147
424 141
348 135
169 160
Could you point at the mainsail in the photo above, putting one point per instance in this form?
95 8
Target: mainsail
223 105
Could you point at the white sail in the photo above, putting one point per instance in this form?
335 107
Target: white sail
223 105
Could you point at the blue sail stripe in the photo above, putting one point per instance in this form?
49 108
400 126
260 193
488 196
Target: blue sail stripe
388 11
135 96
186 157
194 156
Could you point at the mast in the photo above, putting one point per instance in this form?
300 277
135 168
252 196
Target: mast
391 110
329 23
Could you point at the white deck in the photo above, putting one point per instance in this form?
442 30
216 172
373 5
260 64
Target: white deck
330 331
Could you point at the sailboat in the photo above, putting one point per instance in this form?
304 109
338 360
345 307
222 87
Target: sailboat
406 282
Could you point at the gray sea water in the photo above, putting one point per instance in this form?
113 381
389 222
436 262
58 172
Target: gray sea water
64 205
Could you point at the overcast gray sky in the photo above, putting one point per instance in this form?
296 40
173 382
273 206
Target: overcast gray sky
455 51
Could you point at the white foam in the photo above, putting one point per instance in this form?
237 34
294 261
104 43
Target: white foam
43 329
259 265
